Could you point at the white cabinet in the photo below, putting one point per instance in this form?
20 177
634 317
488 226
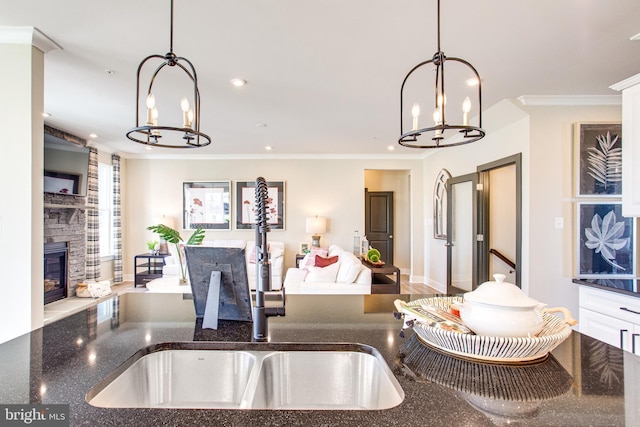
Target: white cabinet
610 317
630 145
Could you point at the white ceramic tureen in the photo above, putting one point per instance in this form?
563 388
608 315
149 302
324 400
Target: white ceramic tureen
501 309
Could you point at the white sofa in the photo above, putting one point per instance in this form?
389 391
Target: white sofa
276 252
347 276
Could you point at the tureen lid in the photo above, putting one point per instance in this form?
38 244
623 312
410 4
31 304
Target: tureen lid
500 293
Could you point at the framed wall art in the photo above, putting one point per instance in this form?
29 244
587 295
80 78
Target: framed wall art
246 201
207 205
598 159
440 205
606 241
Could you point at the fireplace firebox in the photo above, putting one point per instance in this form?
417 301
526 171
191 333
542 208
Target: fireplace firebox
55 271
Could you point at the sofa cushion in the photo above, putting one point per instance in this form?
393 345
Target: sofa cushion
310 258
323 274
350 267
324 262
335 250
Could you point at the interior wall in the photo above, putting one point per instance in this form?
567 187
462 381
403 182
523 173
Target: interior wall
551 195
21 220
502 220
333 188
397 181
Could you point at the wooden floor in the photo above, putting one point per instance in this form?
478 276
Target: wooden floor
415 288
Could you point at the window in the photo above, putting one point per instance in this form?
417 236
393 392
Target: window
105 208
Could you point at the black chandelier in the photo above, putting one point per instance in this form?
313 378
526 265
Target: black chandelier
442 133
149 132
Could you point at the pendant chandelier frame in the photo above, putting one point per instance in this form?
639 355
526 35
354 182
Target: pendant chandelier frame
152 134
440 135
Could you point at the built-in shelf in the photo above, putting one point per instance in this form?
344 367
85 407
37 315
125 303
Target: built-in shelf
62 206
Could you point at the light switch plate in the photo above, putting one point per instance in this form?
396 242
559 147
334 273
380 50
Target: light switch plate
559 222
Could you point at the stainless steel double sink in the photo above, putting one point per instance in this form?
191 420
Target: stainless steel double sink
222 375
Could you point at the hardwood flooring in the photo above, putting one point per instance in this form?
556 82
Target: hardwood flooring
407 287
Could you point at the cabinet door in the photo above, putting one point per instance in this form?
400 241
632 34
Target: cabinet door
631 151
613 331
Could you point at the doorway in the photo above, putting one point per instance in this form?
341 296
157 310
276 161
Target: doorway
500 208
379 222
397 182
484 225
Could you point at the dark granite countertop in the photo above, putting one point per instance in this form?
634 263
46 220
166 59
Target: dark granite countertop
583 382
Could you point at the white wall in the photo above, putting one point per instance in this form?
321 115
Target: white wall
551 196
333 188
21 219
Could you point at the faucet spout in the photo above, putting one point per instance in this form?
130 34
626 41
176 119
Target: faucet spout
263 267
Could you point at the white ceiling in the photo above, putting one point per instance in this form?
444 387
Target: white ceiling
324 75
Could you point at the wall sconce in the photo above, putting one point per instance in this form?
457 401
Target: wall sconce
316 225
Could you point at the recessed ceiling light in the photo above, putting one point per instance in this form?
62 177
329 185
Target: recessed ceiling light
472 82
45 114
268 148
261 125
109 72
238 82
636 37
391 148
148 148
93 135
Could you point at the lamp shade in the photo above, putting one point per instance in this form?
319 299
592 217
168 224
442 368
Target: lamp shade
316 225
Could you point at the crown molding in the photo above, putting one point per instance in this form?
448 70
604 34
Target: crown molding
548 100
631 81
28 35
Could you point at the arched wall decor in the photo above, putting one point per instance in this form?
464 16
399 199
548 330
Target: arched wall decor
440 205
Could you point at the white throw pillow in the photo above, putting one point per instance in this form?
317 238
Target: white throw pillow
335 250
323 274
350 267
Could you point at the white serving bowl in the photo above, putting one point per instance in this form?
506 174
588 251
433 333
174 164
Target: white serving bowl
501 309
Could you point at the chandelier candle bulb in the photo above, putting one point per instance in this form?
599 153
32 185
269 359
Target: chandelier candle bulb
466 108
151 103
415 112
184 105
154 120
190 115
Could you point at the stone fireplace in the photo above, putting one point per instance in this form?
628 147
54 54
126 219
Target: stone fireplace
65 226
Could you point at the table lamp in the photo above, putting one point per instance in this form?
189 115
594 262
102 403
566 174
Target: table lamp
315 226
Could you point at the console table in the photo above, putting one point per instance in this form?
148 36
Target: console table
148 267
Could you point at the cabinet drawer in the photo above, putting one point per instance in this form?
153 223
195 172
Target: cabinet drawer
605 328
612 304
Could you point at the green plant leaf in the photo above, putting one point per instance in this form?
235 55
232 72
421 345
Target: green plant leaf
167 233
197 237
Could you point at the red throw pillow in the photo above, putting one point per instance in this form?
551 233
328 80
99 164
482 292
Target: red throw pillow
324 262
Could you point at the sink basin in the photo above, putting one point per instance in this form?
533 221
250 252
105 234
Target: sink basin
331 376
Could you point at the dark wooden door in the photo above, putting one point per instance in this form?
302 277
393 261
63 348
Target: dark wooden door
378 223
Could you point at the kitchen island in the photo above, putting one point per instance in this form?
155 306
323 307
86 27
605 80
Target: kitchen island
583 382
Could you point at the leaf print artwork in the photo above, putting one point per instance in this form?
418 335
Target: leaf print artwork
605 237
605 163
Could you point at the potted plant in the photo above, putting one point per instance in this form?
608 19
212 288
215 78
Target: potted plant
153 246
173 236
